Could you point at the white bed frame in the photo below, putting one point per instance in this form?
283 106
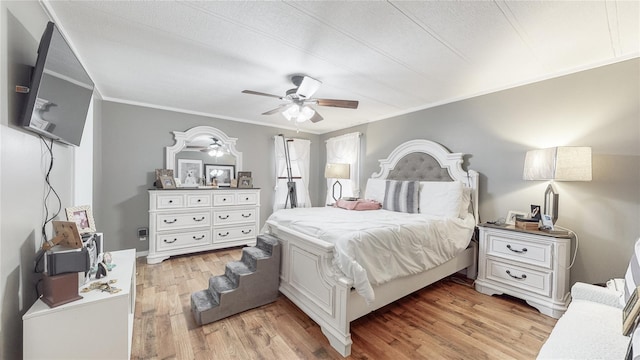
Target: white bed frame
309 279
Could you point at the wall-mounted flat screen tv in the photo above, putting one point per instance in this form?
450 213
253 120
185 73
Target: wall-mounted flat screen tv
59 92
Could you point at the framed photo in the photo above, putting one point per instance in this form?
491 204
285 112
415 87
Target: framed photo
221 174
166 182
83 217
167 172
513 215
242 174
245 183
189 172
535 212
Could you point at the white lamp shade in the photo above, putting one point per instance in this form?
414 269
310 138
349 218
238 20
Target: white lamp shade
563 163
337 171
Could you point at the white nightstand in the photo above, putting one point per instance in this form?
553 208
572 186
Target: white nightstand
530 265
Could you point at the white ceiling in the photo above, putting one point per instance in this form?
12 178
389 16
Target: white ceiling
393 57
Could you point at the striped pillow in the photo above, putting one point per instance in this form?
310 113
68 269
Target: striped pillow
632 276
401 196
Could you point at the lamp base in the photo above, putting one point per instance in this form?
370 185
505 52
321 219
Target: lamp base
333 193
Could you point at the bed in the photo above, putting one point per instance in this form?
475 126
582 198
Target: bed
326 272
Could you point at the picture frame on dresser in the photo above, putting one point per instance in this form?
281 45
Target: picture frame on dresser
83 217
166 182
222 174
245 183
189 172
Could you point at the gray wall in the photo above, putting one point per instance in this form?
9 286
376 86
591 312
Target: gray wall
597 108
22 172
132 143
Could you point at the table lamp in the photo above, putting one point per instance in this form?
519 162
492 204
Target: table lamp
337 171
562 163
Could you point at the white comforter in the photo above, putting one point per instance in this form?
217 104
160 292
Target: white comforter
374 247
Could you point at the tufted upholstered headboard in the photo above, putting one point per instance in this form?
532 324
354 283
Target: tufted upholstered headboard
425 160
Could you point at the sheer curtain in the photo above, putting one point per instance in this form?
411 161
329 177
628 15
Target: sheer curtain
299 153
345 149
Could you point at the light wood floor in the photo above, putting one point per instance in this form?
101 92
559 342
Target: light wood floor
447 320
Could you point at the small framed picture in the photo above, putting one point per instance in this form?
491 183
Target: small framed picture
245 183
513 215
83 217
189 172
535 212
242 174
166 182
221 174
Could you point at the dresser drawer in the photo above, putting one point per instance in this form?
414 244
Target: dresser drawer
170 201
247 198
534 281
234 233
221 217
534 253
198 200
224 199
183 220
182 240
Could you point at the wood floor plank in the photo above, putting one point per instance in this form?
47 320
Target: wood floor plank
446 320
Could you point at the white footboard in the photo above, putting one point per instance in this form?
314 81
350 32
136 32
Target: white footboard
309 279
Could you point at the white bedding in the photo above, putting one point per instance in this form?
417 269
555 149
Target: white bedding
374 247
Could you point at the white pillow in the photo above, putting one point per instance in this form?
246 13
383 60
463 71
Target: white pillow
440 198
465 202
375 190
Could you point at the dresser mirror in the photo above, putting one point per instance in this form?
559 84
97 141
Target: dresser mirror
202 147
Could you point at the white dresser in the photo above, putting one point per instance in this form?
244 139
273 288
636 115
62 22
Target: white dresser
183 221
98 326
530 265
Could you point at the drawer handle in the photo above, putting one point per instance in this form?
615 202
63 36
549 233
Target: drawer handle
170 221
246 216
524 250
224 199
517 277
246 199
198 238
170 242
223 235
246 232
223 217
199 200
202 218
170 201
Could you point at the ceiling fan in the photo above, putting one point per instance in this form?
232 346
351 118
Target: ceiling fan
298 100
215 148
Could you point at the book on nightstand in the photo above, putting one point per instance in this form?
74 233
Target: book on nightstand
527 223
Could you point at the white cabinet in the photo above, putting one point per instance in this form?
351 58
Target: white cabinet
98 326
530 265
183 221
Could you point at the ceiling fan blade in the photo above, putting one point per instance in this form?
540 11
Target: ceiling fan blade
349 104
260 93
316 117
276 110
308 87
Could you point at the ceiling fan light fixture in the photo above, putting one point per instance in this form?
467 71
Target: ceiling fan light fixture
308 87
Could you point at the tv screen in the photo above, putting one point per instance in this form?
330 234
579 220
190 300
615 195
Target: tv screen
60 91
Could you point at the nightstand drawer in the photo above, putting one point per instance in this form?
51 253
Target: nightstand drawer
538 282
534 253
